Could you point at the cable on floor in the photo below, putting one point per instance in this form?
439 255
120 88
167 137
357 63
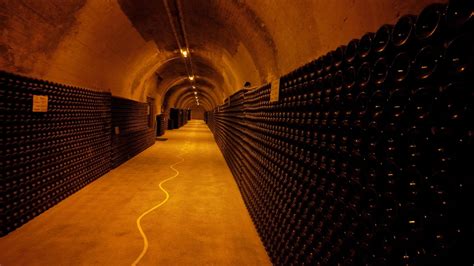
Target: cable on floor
145 240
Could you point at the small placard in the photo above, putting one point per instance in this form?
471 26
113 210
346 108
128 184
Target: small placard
40 103
275 90
117 130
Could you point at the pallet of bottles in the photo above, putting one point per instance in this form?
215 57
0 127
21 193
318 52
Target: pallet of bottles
131 131
160 125
188 113
178 118
48 155
364 159
185 116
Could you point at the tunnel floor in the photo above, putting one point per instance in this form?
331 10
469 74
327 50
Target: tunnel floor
203 222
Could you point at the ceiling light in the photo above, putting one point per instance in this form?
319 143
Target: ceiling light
194 87
191 78
184 53
195 93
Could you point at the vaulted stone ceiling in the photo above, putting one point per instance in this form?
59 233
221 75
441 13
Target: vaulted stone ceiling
131 47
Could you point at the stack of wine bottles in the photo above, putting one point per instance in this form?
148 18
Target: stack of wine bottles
178 118
208 119
366 158
131 131
47 156
160 125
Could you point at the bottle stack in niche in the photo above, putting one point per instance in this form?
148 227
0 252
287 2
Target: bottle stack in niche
364 159
178 118
47 156
160 125
132 130
48 153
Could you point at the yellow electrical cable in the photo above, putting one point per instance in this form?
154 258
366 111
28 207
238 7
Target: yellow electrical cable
145 240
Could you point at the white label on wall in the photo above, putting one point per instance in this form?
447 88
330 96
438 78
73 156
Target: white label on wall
275 90
40 103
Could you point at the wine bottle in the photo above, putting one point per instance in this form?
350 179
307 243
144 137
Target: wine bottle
403 35
460 16
430 24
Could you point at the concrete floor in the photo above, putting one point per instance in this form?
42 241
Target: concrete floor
204 222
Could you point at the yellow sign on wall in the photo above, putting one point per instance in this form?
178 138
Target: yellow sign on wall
40 103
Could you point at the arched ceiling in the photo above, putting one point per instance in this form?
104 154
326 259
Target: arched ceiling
175 95
213 33
131 47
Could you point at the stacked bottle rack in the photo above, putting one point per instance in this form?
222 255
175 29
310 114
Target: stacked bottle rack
365 158
47 156
160 125
131 131
178 117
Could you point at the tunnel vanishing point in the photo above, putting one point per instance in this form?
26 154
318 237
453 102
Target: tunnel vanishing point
237 132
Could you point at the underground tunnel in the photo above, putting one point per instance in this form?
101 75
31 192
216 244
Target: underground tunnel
238 132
